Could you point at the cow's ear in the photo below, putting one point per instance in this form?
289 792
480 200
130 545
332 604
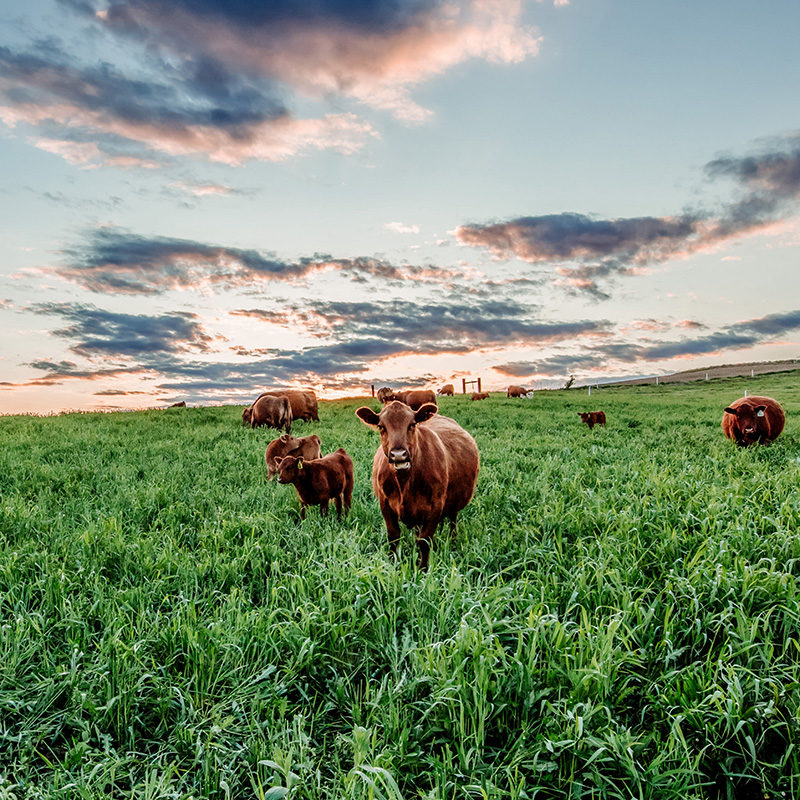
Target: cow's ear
760 411
733 411
425 412
285 438
367 416
278 460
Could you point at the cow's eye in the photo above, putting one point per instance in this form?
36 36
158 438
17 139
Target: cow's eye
412 426
382 428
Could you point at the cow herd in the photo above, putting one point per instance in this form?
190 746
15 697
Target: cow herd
426 465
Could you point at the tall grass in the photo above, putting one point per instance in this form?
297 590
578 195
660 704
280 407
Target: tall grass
618 616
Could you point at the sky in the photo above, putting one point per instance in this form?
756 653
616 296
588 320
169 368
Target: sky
204 198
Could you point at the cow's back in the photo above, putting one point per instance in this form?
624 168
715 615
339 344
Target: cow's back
463 461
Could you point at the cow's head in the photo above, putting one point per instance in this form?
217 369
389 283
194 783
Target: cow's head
397 425
289 442
750 421
246 415
289 468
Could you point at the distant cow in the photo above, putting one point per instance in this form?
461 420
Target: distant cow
753 420
384 394
287 445
592 418
480 396
181 404
269 411
320 480
303 401
415 398
517 391
423 472
447 389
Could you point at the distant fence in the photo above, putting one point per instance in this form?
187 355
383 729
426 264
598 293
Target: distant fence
465 383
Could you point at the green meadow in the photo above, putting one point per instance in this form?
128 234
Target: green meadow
617 617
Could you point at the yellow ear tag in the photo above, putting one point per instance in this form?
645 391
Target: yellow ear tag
299 465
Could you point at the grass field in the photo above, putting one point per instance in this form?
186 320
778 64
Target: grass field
619 615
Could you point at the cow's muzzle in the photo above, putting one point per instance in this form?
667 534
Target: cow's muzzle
399 459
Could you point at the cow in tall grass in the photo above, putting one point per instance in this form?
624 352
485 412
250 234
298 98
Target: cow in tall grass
517 391
447 389
415 398
269 411
480 396
308 447
592 418
753 420
320 480
303 402
424 471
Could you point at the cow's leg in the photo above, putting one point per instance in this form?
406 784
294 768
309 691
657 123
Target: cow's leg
425 540
338 503
392 527
302 510
323 507
347 494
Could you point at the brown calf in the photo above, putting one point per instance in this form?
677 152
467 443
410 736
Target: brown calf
303 402
592 418
320 480
423 472
306 446
753 420
448 389
517 391
480 396
384 394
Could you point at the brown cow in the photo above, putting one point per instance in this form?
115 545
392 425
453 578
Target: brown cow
320 480
415 398
385 394
423 472
448 389
480 396
273 412
303 401
753 420
181 404
592 418
287 445
517 391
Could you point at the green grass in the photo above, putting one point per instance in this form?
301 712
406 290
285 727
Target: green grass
619 615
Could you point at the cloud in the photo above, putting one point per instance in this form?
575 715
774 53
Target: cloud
115 261
585 250
399 227
196 108
374 52
97 333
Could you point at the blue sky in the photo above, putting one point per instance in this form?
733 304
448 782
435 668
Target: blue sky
205 198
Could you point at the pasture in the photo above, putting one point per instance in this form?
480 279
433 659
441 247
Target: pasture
618 616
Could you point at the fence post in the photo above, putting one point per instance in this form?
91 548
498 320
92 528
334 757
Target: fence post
463 386
373 389
479 384
590 390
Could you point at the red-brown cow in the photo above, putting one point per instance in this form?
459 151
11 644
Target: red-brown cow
753 420
385 394
448 389
592 418
423 472
303 401
517 391
273 412
480 396
415 398
287 445
320 480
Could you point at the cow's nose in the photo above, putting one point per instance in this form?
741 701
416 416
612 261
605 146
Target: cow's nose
398 454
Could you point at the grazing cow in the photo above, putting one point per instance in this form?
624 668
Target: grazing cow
753 420
423 472
592 418
287 445
303 402
415 398
447 389
384 394
181 404
517 391
320 480
273 412
480 396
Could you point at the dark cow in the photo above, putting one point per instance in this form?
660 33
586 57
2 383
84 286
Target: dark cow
517 391
181 404
287 445
448 389
385 394
320 480
303 401
415 398
423 472
753 420
269 411
592 418
480 396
